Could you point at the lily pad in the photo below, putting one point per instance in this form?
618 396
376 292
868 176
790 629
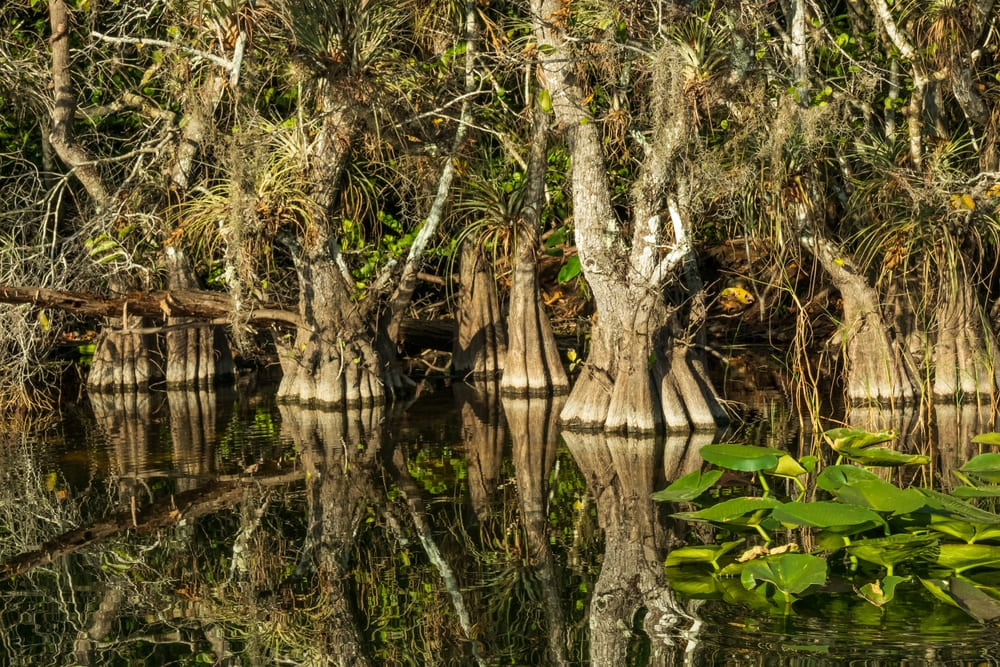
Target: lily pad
881 593
790 573
730 510
745 458
881 496
702 554
962 557
992 438
969 532
894 549
689 486
879 456
832 478
856 438
984 466
826 514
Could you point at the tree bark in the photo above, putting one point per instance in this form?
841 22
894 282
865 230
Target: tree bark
338 359
621 474
532 366
340 451
197 356
481 344
619 389
964 355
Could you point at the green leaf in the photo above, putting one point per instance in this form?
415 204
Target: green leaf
571 269
832 478
789 573
826 514
545 100
992 438
730 510
703 554
984 466
943 503
745 458
857 438
969 532
976 492
961 557
894 549
688 487
878 456
881 593
881 496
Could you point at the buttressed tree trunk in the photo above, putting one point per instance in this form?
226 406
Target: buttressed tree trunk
335 359
340 451
481 343
965 350
532 366
197 355
876 366
621 473
631 353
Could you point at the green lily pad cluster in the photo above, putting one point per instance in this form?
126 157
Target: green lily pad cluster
855 526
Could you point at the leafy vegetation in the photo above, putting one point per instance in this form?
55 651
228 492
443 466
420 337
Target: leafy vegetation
856 525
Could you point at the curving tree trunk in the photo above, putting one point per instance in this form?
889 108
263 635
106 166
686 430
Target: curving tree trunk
876 365
532 366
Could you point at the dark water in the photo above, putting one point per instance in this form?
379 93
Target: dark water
219 528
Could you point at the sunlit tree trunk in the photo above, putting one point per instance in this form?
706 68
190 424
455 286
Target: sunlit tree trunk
627 272
532 366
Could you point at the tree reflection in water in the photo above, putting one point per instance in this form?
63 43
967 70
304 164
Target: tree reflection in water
235 531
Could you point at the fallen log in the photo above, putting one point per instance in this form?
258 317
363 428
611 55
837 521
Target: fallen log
157 305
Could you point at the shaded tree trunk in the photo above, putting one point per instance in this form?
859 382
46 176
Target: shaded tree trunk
481 343
197 356
483 436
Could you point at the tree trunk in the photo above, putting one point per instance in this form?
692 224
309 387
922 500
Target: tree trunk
532 366
481 344
483 436
875 365
125 361
621 474
335 358
964 353
197 356
619 389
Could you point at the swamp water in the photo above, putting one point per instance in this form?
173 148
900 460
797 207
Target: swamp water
215 528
